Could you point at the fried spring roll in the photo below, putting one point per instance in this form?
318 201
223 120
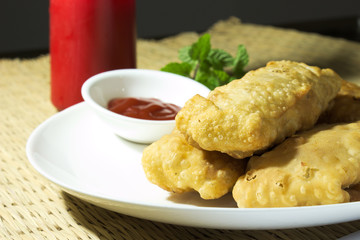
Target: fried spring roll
345 108
317 167
260 110
174 165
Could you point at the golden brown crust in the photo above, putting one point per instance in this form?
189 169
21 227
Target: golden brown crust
174 165
312 168
251 114
345 108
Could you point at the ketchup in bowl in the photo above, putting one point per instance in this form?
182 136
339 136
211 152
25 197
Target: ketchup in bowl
144 108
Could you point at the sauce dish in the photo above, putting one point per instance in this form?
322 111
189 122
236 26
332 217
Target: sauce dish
98 90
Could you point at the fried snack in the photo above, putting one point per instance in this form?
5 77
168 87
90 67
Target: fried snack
345 108
174 165
259 110
315 167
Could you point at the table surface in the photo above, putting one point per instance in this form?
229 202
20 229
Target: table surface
31 207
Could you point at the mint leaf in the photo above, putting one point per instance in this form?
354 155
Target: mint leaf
183 69
202 76
184 56
219 59
222 77
206 77
240 62
200 50
212 78
208 65
212 82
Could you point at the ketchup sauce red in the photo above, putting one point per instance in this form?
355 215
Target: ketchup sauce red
144 108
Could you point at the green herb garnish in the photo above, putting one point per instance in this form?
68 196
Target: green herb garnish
211 67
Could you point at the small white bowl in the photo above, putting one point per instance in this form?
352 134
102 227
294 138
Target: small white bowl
98 90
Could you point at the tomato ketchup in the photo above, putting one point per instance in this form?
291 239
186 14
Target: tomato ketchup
88 37
144 108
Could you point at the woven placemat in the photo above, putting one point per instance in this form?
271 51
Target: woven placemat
31 207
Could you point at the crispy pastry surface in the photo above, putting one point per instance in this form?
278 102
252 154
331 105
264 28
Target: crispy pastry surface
315 167
251 114
345 108
174 165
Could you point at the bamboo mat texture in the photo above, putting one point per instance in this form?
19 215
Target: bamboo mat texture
31 207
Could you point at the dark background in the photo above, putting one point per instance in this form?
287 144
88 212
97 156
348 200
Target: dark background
24 25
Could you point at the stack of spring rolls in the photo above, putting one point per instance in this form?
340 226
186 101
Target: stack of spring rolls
283 135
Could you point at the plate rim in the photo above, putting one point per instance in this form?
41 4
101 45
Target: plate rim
82 106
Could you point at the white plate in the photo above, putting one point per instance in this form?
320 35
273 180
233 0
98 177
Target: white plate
74 150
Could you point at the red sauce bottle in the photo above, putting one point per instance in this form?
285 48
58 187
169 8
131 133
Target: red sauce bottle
88 37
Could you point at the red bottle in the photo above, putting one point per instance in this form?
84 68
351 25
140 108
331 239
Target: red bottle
88 37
